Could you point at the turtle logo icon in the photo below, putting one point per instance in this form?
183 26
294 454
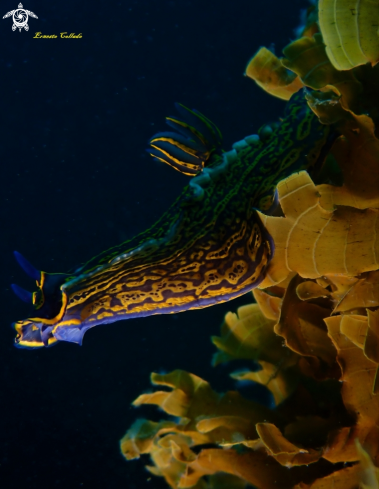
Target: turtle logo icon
20 17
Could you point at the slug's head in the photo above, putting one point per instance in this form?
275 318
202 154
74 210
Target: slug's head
49 303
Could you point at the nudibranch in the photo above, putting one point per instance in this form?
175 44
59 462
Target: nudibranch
210 246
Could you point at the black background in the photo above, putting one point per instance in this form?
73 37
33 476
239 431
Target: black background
75 179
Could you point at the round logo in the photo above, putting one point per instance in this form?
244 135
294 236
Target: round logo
20 19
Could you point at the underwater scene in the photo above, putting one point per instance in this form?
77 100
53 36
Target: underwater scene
190 252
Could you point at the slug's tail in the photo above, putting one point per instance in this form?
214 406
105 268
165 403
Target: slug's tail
190 147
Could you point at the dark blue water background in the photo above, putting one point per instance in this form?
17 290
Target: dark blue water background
75 179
